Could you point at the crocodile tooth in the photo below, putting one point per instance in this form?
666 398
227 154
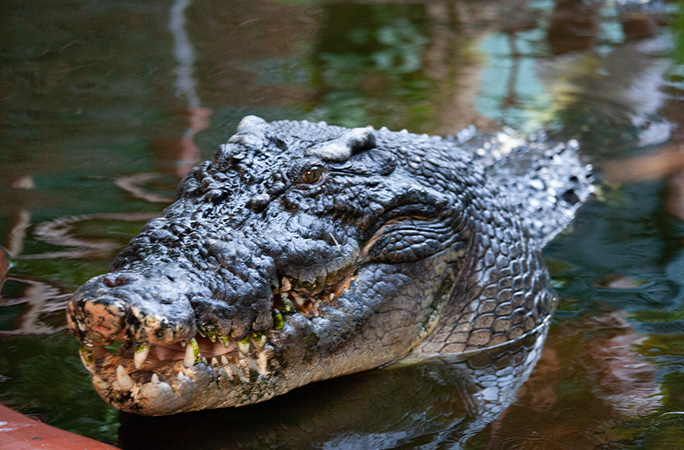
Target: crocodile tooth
288 307
337 244
278 321
244 378
229 372
192 355
155 378
259 339
243 346
204 360
285 285
125 381
214 362
181 376
141 352
224 360
262 363
87 358
298 298
225 341
252 364
189 359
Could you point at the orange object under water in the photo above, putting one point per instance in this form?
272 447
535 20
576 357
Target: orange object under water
19 432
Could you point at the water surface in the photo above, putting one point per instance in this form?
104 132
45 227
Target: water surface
105 105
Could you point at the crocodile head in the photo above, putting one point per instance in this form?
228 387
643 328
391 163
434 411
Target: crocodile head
302 252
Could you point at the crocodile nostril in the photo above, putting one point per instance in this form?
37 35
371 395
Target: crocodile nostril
96 320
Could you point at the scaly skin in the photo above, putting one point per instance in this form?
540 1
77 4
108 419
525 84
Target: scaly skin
305 251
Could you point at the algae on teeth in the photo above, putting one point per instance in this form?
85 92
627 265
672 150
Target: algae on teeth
278 321
259 339
192 353
87 358
141 352
243 346
208 332
288 306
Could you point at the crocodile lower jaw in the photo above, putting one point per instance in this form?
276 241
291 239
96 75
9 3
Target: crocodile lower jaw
176 379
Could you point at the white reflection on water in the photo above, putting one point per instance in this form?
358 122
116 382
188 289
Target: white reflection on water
184 54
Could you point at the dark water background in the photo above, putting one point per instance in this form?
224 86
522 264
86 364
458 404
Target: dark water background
105 105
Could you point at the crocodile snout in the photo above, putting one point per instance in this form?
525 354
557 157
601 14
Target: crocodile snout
125 306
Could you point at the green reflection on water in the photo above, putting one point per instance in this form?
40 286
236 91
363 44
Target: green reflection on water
90 97
513 94
369 66
46 377
678 30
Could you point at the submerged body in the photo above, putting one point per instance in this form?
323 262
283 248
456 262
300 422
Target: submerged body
306 251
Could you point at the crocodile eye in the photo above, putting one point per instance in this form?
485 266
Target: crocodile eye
313 175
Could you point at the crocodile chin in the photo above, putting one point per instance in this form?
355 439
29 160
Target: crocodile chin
304 252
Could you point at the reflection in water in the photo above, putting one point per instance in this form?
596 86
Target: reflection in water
640 18
39 303
437 402
184 54
653 166
590 380
60 232
573 26
4 264
86 97
15 238
35 307
186 86
133 184
623 378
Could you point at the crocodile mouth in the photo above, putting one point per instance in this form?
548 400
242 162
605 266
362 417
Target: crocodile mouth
159 379
289 300
181 356
207 370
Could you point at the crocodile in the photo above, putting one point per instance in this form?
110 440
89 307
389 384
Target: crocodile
305 251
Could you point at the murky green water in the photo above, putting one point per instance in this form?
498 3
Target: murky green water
104 105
